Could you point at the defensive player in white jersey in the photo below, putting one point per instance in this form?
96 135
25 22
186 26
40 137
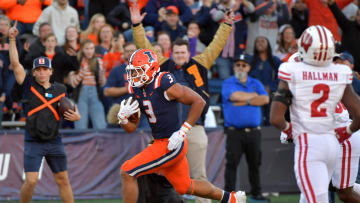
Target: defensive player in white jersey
312 88
344 176
343 179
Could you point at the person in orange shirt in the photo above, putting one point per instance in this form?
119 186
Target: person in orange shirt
320 14
91 32
115 56
163 39
27 19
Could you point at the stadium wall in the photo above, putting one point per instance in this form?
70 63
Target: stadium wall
95 157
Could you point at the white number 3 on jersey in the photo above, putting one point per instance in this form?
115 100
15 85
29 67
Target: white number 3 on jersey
170 78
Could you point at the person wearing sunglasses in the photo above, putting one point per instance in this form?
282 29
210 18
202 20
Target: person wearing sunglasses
242 98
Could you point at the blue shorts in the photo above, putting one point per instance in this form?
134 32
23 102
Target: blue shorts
54 155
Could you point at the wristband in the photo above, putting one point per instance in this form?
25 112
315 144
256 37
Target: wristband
228 24
348 130
186 127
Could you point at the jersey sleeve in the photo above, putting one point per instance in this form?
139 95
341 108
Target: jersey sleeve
285 73
349 76
164 81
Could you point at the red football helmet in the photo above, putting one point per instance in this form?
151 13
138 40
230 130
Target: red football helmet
143 66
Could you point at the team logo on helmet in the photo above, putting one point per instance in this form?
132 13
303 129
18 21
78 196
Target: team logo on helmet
306 41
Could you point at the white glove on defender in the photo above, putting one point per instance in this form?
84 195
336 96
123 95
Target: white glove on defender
178 137
127 109
284 138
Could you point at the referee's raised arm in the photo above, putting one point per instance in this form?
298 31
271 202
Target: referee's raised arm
15 65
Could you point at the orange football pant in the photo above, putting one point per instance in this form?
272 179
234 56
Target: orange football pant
156 158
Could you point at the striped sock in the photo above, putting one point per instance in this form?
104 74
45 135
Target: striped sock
226 197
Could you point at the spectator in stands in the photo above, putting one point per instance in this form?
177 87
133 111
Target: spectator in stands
320 14
59 15
4 51
286 43
163 39
119 17
26 40
37 47
235 45
72 41
4 71
105 37
242 98
194 6
347 59
265 21
61 63
91 32
26 12
207 25
101 6
300 17
171 24
86 83
264 67
158 48
351 32
155 9
195 45
114 56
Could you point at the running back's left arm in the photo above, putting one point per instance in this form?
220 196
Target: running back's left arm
352 103
187 96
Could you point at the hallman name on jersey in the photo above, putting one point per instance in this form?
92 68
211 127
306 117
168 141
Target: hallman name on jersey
329 76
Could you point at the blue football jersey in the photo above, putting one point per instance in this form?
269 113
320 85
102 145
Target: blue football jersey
161 113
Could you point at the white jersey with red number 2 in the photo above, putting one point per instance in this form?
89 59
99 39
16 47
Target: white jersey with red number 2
316 92
347 164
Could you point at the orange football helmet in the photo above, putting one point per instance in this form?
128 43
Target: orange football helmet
143 66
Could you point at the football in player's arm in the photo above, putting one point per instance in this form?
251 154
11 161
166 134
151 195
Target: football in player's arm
176 92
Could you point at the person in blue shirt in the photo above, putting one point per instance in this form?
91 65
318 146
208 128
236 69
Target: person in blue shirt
242 98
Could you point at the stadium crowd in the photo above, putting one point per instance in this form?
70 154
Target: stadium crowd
73 33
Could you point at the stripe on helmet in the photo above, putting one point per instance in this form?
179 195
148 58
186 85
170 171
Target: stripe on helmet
132 56
326 42
321 42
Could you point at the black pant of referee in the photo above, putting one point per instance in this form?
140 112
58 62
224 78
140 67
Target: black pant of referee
238 142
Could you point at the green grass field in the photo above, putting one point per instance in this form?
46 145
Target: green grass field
280 199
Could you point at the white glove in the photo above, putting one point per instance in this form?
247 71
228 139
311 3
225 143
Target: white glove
178 137
284 138
127 109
